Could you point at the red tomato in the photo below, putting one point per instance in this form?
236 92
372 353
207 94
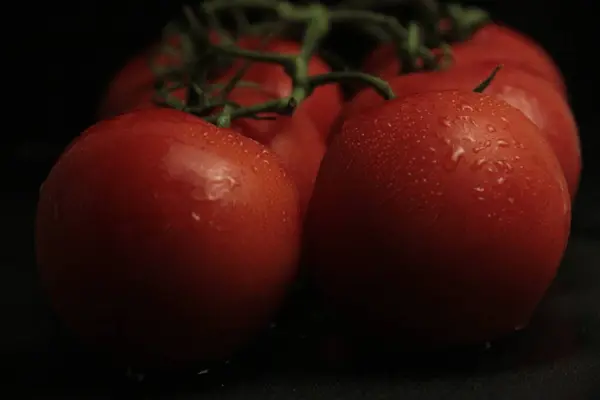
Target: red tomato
324 103
165 238
541 102
491 44
456 224
295 140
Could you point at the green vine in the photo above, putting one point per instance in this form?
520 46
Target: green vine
207 46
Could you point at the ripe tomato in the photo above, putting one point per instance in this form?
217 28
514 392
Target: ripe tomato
541 102
295 139
165 238
493 43
458 220
324 103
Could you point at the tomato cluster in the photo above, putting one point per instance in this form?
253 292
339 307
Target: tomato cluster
439 216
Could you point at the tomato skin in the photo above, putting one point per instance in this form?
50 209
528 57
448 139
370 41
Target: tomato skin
447 240
322 105
165 239
532 95
295 139
491 44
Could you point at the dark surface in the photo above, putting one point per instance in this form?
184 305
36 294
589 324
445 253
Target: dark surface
557 357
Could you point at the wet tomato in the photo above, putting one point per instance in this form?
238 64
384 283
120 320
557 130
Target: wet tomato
165 239
493 43
441 217
295 139
532 95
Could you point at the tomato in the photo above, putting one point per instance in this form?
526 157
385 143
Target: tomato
133 86
491 44
165 239
446 227
541 102
323 104
295 139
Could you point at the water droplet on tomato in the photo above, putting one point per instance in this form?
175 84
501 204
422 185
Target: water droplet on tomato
445 122
484 146
478 164
195 216
511 200
501 180
502 143
478 189
491 128
454 159
466 107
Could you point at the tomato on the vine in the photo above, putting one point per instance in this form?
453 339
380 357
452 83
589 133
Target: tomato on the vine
133 86
532 95
165 239
295 139
491 44
322 105
440 217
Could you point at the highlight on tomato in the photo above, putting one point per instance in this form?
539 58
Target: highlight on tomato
165 240
440 218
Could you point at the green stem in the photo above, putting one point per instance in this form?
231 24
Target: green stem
487 81
465 21
224 119
429 11
398 34
379 85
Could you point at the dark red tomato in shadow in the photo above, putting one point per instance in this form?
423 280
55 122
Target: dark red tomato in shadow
165 240
532 95
132 87
440 218
493 43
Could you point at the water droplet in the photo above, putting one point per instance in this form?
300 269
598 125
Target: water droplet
457 153
502 143
466 107
478 189
195 216
481 198
445 122
511 200
478 164
503 119
432 149
501 180
491 128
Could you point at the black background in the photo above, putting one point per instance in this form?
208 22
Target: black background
76 49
